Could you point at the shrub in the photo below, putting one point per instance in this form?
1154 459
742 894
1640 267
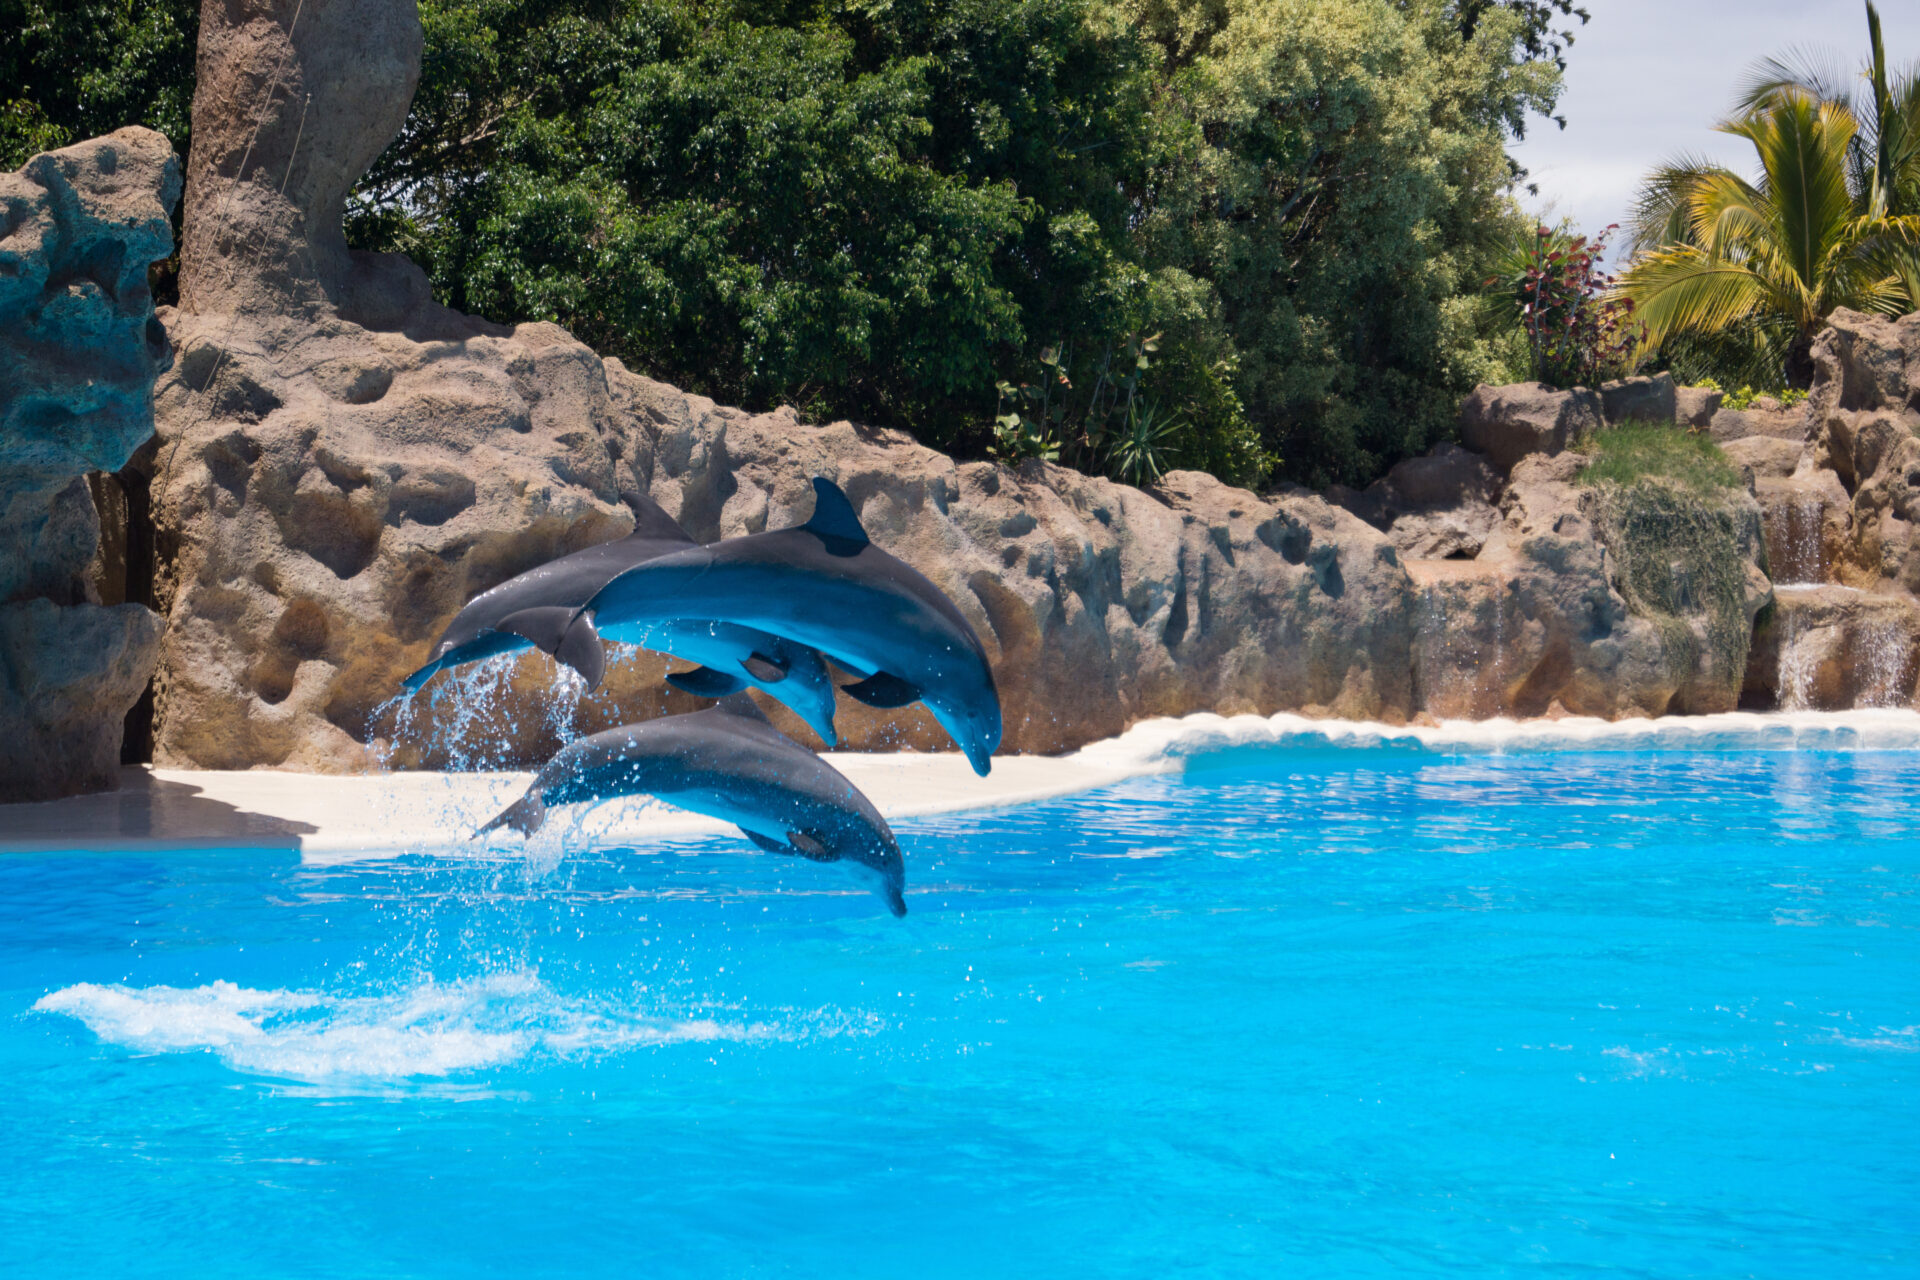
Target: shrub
1578 332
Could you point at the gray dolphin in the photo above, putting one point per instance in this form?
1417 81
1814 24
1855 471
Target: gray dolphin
541 607
728 763
823 584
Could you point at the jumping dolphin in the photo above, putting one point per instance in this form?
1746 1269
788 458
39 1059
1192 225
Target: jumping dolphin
729 763
823 584
541 607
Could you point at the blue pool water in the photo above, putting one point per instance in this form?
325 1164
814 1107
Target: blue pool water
1337 1012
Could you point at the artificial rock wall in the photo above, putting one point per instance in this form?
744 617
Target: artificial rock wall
346 463
79 351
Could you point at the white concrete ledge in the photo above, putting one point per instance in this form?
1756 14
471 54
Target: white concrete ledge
332 818
329 818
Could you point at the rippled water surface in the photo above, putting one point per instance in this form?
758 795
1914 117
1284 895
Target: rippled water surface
1339 1012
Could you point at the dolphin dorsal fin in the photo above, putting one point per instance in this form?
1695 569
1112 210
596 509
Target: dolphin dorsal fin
739 704
650 519
834 520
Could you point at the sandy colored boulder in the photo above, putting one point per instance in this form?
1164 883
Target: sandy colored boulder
1695 406
1640 399
1509 422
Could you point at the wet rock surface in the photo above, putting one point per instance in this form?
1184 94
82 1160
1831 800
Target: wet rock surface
79 351
1839 479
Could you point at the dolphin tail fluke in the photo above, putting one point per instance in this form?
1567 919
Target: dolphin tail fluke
883 690
565 633
524 815
705 682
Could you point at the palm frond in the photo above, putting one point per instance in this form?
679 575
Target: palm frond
1659 212
1683 289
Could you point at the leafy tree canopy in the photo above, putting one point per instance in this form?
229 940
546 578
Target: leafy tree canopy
1267 220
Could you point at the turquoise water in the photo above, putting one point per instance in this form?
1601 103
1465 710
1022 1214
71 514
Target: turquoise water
1338 1012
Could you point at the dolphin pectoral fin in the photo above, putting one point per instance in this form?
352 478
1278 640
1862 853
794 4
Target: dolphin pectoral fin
765 842
564 632
809 847
882 690
580 648
764 669
705 682
834 521
545 626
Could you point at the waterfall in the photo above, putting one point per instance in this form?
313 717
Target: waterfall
1795 540
1883 651
1798 663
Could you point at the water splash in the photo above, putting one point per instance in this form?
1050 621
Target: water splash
431 1029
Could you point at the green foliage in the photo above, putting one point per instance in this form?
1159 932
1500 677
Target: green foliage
1677 552
74 69
1746 395
1744 274
1636 451
1105 422
1577 333
1349 187
888 210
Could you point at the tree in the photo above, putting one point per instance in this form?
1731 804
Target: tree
74 69
1752 269
889 211
1351 193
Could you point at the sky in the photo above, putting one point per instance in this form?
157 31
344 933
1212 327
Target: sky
1647 79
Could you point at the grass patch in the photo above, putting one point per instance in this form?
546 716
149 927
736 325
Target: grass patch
1636 451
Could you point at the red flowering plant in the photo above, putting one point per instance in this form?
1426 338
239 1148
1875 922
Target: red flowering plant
1579 330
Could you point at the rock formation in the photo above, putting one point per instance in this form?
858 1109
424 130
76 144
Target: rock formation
79 351
345 463
1537 593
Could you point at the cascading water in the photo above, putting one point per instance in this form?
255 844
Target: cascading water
1798 663
1794 540
1883 653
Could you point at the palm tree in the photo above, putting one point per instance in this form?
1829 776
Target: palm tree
1883 163
1831 223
